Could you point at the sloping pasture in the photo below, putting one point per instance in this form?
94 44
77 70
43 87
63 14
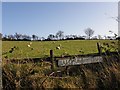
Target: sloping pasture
39 49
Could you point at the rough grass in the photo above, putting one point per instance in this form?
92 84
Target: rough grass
27 76
42 48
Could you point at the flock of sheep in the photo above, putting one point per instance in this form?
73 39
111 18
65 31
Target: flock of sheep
58 47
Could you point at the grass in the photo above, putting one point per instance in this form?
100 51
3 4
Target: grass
27 76
42 48
104 75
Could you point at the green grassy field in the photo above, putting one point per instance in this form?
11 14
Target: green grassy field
42 48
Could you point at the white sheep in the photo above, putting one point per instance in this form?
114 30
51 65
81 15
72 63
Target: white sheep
58 47
28 45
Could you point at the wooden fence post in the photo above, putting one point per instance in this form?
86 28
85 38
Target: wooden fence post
119 47
99 48
52 60
67 70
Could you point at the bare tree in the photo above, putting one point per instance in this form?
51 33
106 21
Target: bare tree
89 32
17 36
51 36
34 37
115 35
26 37
42 38
11 37
99 37
60 34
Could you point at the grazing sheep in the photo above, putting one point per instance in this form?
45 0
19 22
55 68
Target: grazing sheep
58 47
28 45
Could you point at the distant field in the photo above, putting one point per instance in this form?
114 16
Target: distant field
42 48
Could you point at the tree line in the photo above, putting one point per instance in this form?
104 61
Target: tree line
23 37
58 36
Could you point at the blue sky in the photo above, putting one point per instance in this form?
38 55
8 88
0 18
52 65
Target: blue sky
0 17
44 18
